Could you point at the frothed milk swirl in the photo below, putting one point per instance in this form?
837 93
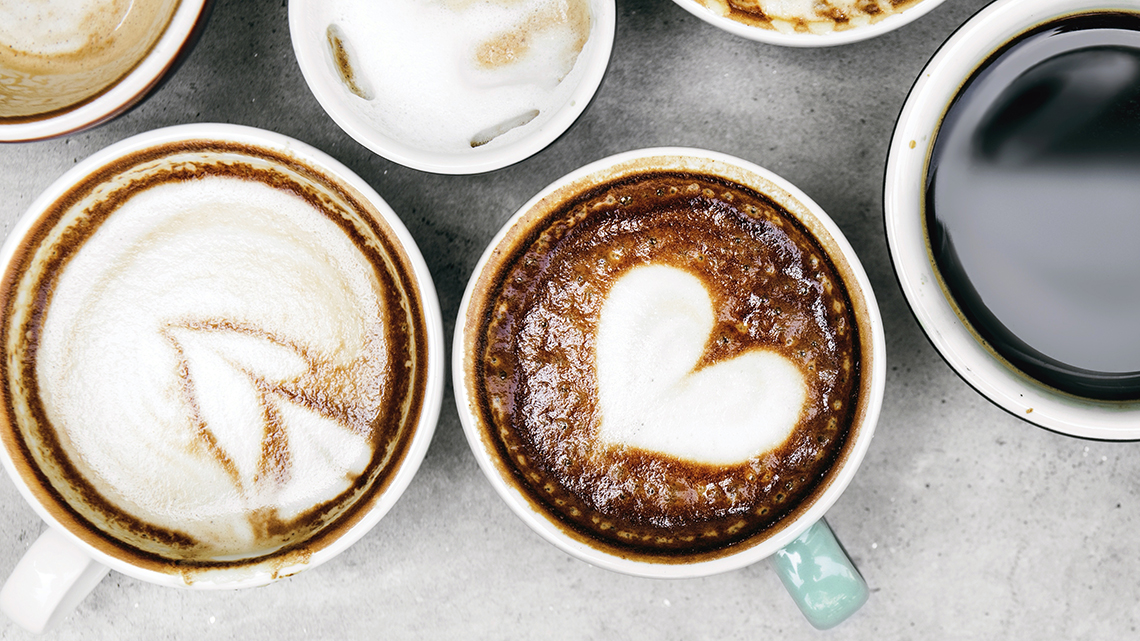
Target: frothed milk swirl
224 361
56 54
239 303
449 75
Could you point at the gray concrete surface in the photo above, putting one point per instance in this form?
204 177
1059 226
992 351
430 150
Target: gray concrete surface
968 523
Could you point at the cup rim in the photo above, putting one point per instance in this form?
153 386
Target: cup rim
125 92
596 57
929 98
807 40
263 572
541 524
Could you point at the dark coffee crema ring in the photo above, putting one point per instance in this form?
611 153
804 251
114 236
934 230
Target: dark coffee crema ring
772 288
375 401
830 15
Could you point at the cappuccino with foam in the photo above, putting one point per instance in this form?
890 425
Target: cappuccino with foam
214 354
57 55
666 363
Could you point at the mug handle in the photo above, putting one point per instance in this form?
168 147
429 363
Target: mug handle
52 578
820 577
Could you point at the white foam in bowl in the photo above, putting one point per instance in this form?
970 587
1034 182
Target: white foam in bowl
421 57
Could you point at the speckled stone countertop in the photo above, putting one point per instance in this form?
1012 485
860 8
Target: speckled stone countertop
967 522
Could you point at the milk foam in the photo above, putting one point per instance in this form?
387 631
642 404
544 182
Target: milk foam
56 53
47 28
212 356
440 72
655 324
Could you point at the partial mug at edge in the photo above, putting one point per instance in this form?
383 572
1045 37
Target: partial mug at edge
808 23
67 66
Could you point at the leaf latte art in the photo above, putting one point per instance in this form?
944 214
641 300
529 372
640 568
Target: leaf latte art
223 365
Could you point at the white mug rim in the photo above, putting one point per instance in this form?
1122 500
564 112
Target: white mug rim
807 40
259 573
521 505
942 78
598 50
125 92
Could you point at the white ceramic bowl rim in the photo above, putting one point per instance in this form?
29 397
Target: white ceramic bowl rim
260 574
937 85
541 524
846 36
125 92
310 53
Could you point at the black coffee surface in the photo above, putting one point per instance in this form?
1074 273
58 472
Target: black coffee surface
1033 204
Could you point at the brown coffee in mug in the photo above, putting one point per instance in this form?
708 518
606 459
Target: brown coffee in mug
670 364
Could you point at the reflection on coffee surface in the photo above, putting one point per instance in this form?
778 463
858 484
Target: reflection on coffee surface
669 363
56 55
224 357
808 16
1032 204
450 75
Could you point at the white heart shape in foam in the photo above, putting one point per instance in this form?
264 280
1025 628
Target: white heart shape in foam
654 326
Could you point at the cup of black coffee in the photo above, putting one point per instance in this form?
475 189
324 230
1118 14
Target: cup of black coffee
669 363
67 66
1011 210
222 364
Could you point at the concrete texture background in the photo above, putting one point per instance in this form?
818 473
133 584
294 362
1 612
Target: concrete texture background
966 521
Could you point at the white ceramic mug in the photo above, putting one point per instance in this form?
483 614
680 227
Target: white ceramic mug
903 198
812 565
310 22
175 42
73 554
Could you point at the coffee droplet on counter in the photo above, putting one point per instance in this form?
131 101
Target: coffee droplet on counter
343 57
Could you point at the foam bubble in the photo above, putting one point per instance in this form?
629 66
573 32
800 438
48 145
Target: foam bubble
440 73
654 326
213 352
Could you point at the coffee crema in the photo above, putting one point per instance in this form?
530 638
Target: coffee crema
1031 204
55 56
808 16
667 363
213 354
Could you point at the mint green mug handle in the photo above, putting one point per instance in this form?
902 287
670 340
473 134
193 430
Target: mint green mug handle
820 577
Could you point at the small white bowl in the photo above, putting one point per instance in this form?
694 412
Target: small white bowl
797 39
179 37
903 195
308 22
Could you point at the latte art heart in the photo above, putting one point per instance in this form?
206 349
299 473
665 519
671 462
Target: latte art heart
668 362
654 327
